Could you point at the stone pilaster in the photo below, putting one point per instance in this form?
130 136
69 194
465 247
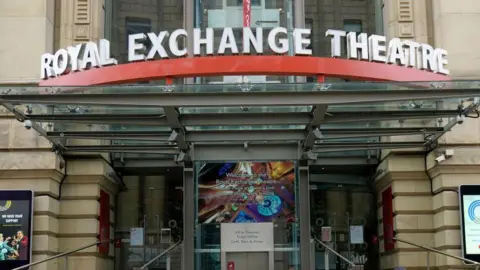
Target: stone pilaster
450 32
26 162
81 21
412 208
462 168
80 209
407 19
27 29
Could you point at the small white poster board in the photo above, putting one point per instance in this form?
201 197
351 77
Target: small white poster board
326 234
136 237
356 235
243 237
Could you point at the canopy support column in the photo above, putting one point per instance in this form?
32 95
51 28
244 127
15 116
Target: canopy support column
304 205
188 253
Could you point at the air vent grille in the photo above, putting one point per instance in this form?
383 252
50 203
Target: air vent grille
82 11
405 10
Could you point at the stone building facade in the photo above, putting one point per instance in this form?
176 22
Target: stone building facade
67 188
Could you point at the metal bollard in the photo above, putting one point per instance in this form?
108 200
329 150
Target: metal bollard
66 262
312 254
168 261
327 264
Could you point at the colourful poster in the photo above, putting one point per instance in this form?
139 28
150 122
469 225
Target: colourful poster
16 208
246 192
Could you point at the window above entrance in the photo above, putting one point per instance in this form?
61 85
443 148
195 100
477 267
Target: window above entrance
236 121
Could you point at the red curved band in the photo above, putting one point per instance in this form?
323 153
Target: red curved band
244 65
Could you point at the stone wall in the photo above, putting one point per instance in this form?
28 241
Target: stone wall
426 211
433 217
66 210
27 32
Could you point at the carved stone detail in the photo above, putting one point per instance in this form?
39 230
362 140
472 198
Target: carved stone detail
406 30
81 21
82 32
82 11
405 10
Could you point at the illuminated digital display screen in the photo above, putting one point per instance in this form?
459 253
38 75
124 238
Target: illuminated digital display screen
16 209
471 223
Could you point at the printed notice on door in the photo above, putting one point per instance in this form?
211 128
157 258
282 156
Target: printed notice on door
240 237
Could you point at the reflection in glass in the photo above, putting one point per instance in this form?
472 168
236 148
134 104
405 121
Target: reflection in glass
209 196
267 14
340 201
153 202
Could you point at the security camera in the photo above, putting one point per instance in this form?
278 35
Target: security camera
27 124
449 153
29 109
440 158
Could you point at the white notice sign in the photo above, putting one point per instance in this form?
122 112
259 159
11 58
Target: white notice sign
326 234
136 236
243 237
356 234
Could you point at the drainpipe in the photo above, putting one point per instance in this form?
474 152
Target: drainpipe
62 181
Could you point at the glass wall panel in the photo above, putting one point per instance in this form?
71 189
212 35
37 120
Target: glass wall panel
267 14
140 16
246 192
348 15
341 202
151 205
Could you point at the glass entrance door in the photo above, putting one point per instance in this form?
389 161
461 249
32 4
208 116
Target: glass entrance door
346 205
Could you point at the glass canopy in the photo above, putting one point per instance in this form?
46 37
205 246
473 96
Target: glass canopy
172 121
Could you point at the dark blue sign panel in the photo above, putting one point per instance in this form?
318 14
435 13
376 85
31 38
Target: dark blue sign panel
469 196
16 214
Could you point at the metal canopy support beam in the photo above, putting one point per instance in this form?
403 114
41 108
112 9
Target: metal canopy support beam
359 116
154 149
102 119
342 160
172 117
204 119
318 115
147 163
344 179
239 151
188 250
279 135
170 163
313 133
21 117
433 140
179 138
345 146
223 99
312 136
245 151
178 133
243 119
113 135
35 126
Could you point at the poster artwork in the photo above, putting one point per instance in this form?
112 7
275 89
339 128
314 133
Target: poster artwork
14 230
241 192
